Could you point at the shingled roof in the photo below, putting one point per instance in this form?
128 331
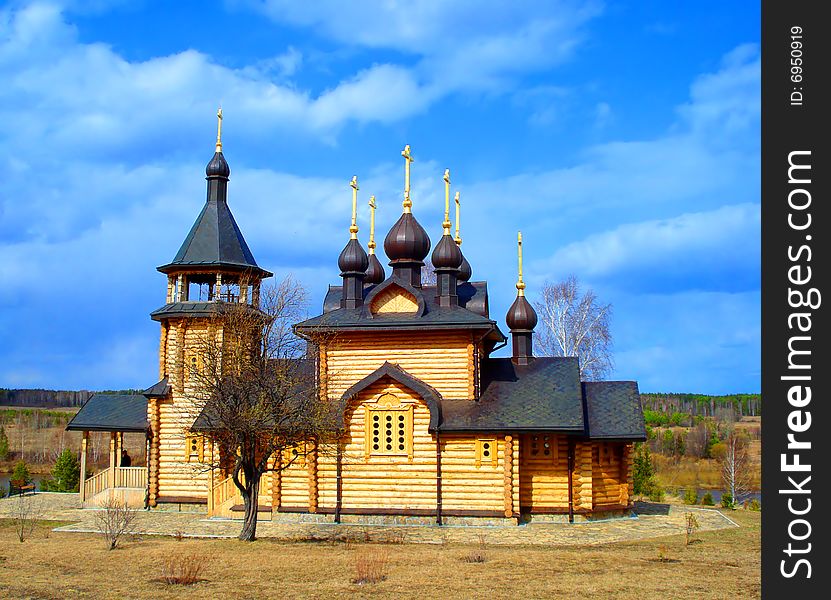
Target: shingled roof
215 240
614 410
111 412
542 396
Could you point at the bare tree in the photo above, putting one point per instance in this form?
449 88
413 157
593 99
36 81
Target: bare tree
257 398
575 323
25 513
735 466
114 521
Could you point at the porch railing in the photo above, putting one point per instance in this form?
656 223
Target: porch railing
97 483
130 477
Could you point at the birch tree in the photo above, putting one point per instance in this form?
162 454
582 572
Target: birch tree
574 323
735 466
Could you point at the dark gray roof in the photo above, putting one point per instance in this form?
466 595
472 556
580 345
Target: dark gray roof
614 410
542 396
159 389
193 309
111 412
472 295
215 240
428 316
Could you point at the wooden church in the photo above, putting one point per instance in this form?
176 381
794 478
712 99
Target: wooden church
436 428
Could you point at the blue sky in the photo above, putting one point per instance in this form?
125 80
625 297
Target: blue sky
622 138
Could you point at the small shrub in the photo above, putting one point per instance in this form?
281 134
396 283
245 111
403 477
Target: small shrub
183 569
656 494
178 535
21 473
477 555
727 501
25 513
753 504
370 566
707 500
692 526
691 496
114 521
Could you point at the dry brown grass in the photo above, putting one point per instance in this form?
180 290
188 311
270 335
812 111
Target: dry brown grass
725 564
371 565
183 569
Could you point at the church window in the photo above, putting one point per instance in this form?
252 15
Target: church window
295 455
389 432
194 448
193 365
542 446
486 452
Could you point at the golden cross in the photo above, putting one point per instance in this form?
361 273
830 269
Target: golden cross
353 229
446 224
407 160
520 285
372 207
219 130
458 205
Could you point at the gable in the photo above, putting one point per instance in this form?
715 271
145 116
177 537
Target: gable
394 299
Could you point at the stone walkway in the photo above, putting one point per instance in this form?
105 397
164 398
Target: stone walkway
653 520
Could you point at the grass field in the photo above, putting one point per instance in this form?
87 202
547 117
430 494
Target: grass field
724 564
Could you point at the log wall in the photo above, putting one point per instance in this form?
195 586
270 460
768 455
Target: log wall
610 469
543 478
444 360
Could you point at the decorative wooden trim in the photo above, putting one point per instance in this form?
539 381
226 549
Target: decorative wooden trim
487 452
471 370
508 476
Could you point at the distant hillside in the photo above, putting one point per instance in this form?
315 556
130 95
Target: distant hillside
702 405
49 398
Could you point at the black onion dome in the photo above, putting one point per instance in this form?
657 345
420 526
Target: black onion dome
374 272
218 167
407 240
521 315
465 270
353 258
447 254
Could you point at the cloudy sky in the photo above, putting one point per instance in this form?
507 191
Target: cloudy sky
622 138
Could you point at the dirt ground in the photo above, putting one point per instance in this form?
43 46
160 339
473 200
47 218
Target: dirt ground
723 564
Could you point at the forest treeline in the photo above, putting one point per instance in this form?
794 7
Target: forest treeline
702 405
50 398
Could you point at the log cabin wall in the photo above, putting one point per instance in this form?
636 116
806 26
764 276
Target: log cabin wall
582 479
371 481
443 360
610 474
180 475
469 484
543 473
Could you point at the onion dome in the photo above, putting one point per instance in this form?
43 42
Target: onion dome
374 272
407 241
521 316
447 254
218 166
465 270
353 258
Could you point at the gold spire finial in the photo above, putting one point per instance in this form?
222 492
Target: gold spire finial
353 229
520 285
407 160
372 207
458 207
446 223
219 130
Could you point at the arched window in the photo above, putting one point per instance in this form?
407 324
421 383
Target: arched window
389 427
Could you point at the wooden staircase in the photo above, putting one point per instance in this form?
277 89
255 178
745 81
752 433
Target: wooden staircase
225 500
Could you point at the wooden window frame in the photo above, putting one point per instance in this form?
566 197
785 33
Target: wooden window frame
537 442
197 454
295 453
482 457
387 408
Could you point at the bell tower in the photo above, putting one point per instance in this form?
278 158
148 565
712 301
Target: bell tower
213 266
